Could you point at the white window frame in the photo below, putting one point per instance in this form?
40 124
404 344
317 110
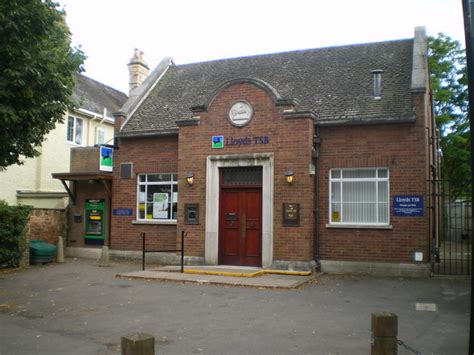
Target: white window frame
74 130
375 179
173 183
100 130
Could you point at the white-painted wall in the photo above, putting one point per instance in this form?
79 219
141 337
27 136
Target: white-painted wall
35 175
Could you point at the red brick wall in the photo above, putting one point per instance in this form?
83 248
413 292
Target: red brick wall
47 225
289 139
85 159
403 148
148 155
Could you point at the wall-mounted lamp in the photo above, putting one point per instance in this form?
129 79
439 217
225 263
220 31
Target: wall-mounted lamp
190 178
289 176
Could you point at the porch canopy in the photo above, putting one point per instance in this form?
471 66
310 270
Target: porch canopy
104 178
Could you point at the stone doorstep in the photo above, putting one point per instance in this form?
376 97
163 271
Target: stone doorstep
270 281
231 271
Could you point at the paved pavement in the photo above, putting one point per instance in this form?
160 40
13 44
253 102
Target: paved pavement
225 276
80 308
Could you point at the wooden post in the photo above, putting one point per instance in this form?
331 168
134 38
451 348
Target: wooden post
138 344
384 333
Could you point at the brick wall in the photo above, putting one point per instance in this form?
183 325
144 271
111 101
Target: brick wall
403 149
47 225
289 139
84 159
148 155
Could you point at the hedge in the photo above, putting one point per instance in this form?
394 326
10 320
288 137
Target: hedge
13 223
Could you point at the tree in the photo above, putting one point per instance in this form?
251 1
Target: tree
37 70
448 80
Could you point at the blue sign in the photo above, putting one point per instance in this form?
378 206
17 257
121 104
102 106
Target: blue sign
122 212
106 159
217 142
408 206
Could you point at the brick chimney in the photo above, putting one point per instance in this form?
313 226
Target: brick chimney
138 70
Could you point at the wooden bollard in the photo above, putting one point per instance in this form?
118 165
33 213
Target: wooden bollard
384 333
138 344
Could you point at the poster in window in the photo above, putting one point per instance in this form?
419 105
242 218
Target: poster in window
160 205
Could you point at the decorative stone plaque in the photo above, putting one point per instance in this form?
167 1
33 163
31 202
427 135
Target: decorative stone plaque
240 113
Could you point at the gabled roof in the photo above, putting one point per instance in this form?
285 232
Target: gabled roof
93 96
334 83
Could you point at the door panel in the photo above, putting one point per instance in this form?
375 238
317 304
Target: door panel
252 225
240 241
230 220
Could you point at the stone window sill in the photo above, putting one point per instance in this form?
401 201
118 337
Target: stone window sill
358 226
165 222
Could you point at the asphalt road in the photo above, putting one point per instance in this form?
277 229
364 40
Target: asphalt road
80 308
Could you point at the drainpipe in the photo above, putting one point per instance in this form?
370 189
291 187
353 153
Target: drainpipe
109 222
316 197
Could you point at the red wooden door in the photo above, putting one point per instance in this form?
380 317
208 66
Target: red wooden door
240 227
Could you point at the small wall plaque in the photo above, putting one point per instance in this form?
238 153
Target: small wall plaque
191 213
122 212
291 214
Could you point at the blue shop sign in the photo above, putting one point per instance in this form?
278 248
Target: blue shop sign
408 206
122 211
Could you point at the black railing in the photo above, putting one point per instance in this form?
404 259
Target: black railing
144 251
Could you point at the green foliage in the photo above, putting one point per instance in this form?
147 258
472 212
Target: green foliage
37 69
448 80
13 222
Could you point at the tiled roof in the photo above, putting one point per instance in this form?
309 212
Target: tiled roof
93 96
335 83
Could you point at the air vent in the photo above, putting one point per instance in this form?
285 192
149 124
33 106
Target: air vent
126 170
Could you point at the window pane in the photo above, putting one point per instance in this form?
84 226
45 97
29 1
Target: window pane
141 194
383 191
335 191
142 178
335 174
141 211
174 208
358 191
383 213
383 173
359 212
242 176
70 129
78 136
158 202
336 212
100 136
358 173
159 177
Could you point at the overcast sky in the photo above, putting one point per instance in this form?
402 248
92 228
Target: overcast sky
200 30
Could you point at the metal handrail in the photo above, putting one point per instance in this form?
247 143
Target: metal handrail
144 251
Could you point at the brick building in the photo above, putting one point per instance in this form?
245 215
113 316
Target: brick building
282 160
